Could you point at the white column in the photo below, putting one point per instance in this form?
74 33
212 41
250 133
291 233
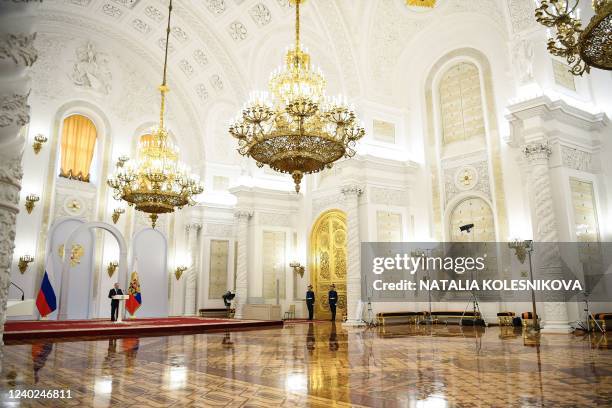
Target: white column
353 273
242 279
545 230
190 306
17 54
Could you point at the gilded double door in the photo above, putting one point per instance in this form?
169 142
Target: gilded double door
328 262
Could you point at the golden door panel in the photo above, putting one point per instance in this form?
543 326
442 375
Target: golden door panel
328 261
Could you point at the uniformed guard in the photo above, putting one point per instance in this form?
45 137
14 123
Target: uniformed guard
310 300
333 300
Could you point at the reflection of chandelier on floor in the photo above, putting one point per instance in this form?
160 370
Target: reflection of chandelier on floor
582 48
300 131
158 182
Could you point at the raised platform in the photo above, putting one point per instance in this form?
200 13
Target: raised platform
37 329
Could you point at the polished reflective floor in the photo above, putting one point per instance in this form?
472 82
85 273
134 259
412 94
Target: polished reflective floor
318 365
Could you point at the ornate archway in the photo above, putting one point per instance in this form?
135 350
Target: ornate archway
328 241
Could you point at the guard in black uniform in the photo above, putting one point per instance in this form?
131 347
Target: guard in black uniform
310 300
333 300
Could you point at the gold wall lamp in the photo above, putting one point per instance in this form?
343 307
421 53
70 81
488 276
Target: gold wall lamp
179 271
24 261
111 268
39 140
117 213
31 200
122 160
297 268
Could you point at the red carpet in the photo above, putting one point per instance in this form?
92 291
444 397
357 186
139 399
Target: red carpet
29 329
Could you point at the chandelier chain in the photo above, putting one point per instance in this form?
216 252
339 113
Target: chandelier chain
164 87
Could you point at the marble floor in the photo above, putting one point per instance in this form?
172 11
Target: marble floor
317 365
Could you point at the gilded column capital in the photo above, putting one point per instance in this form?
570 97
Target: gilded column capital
537 151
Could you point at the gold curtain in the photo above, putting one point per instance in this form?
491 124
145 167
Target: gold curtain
79 136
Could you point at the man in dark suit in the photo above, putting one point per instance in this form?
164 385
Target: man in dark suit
332 296
310 300
114 302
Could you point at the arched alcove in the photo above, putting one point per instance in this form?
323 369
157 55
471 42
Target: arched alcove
149 260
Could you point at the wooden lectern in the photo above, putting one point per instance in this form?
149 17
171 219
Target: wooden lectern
121 299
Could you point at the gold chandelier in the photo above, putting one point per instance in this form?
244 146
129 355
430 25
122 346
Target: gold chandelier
299 130
157 182
582 48
421 3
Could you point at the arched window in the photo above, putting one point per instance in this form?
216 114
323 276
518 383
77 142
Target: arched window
475 211
461 103
79 137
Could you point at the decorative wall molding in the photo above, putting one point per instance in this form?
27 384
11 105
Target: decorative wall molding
471 177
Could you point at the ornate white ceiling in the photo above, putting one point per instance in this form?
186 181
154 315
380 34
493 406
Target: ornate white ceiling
222 49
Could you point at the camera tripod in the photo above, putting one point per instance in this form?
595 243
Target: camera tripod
582 325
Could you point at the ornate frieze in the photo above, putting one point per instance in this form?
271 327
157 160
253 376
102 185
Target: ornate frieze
387 196
14 110
576 159
274 219
219 230
19 48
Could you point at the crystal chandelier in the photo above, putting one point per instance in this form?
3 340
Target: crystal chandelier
582 48
157 182
298 129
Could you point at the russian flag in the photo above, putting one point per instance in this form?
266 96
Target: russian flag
45 301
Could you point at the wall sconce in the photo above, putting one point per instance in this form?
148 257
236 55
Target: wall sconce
122 160
297 268
31 199
111 268
117 213
24 261
39 140
179 271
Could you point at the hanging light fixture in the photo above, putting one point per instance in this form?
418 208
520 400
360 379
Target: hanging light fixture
157 182
582 48
297 129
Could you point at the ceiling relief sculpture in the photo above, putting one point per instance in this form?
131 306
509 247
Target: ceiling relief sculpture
91 69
